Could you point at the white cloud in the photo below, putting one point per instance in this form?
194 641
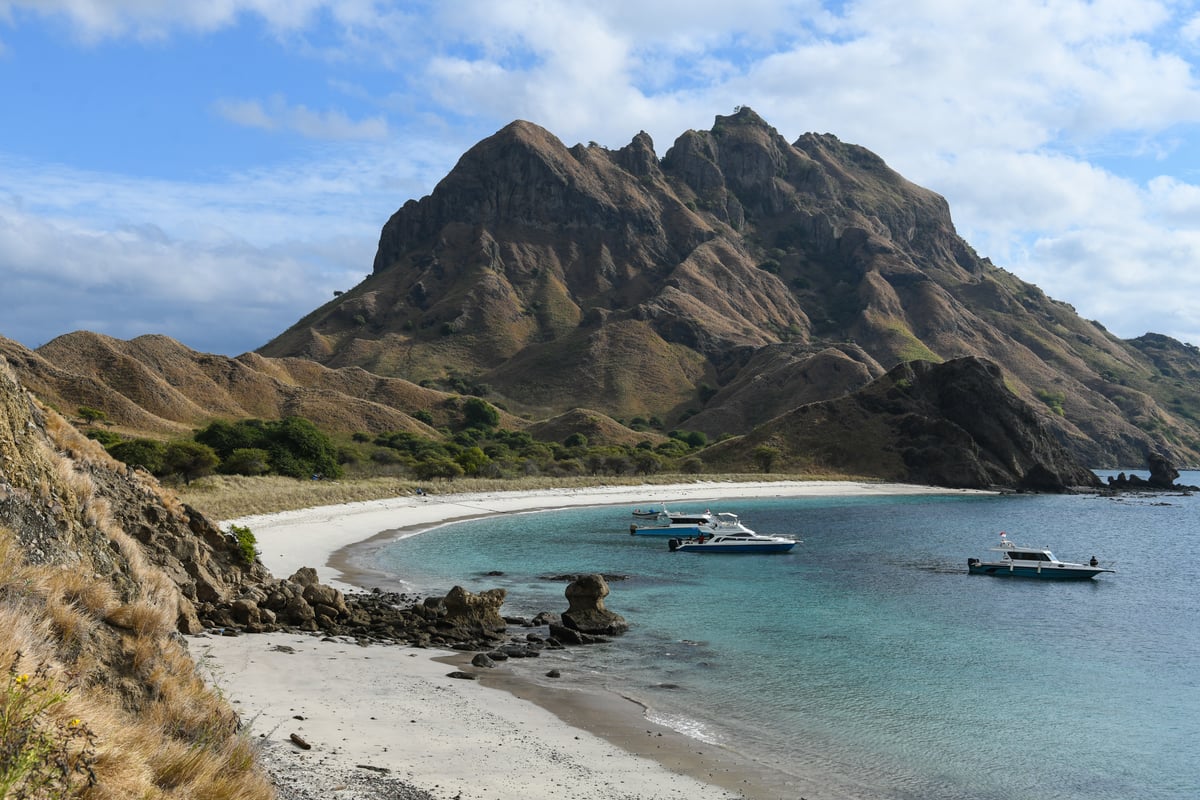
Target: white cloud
213 294
1010 110
278 115
222 267
94 20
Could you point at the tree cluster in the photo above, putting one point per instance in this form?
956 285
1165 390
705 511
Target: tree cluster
292 446
477 447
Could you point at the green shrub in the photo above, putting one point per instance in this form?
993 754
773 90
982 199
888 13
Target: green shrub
145 453
105 438
437 467
245 542
189 459
247 461
1052 399
765 456
479 413
89 414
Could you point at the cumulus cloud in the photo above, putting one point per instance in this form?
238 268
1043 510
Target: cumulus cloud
278 115
1017 112
94 20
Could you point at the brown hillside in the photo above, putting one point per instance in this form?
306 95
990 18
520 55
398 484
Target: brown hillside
598 428
101 571
153 385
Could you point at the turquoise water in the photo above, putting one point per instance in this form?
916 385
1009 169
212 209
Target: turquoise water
866 662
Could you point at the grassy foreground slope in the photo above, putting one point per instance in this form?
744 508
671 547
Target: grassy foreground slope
99 695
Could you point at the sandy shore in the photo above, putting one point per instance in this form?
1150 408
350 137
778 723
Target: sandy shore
388 722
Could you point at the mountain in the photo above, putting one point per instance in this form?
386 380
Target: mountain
728 282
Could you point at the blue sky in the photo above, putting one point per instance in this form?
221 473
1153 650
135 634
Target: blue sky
213 170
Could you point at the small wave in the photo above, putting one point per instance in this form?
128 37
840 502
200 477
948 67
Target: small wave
688 726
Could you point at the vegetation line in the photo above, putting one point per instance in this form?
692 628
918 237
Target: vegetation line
222 497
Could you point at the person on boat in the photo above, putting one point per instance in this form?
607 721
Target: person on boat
1094 562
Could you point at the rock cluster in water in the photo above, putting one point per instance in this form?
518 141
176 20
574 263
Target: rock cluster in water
1162 477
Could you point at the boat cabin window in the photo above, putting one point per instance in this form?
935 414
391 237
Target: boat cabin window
1030 555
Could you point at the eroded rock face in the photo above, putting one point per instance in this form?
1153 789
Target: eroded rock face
736 242
1162 472
587 613
953 424
475 611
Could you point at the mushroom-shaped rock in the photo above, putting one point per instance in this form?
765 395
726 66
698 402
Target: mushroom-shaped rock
587 613
1162 472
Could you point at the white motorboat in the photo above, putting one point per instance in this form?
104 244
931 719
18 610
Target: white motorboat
661 522
1032 562
744 541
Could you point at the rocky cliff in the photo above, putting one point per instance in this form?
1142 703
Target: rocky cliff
89 620
953 424
731 280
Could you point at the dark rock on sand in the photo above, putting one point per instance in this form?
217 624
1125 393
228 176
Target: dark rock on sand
587 613
561 635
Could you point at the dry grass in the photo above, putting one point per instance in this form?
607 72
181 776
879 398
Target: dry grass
181 743
222 497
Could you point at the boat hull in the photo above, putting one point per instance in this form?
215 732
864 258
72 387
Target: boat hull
678 546
664 530
1048 572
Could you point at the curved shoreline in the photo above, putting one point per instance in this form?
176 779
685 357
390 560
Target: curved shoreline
604 743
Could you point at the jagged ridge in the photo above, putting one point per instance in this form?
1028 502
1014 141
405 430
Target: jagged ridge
616 280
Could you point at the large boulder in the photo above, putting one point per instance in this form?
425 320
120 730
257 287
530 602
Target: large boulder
587 613
475 611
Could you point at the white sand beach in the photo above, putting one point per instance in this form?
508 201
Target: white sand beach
387 722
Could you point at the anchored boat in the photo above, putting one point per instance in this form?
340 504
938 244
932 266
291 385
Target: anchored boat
661 522
740 542
1032 562
726 534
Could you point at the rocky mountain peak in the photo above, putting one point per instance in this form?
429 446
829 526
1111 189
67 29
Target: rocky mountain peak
566 277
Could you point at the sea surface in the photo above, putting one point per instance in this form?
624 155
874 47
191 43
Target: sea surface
867 662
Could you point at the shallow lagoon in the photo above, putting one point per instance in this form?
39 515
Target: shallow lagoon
867 662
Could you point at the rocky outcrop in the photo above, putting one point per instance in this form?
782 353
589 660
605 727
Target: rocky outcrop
1162 472
1162 478
586 612
954 424
71 503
